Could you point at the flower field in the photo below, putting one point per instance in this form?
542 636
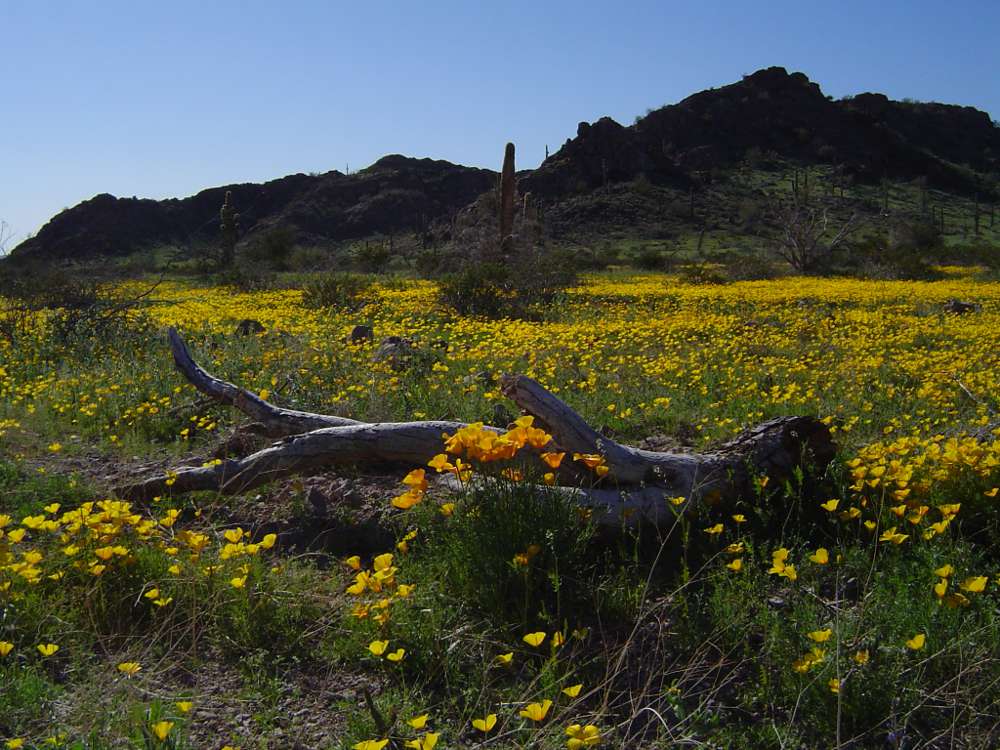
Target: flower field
857 608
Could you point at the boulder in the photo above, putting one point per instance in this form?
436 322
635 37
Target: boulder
249 327
958 307
361 333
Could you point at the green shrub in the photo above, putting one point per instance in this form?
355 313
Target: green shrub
477 553
337 290
877 258
495 291
432 262
308 259
485 289
372 257
246 279
649 258
273 247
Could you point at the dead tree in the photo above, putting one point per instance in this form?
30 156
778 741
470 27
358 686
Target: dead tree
806 238
635 489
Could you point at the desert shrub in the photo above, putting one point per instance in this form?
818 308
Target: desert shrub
704 272
430 263
980 253
245 278
79 310
273 247
749 267
372 257
584 258
539 560
919 236
649 258
592 260
49 288
750 213
337 290
642 186
484 289
877 258
494 290
308 259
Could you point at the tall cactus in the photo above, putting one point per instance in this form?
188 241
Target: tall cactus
229 223
507 201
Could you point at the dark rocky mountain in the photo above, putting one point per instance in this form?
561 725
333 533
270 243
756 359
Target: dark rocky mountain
868 136
769 114
395 194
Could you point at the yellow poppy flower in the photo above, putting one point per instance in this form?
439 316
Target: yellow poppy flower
820 556
534 639
974 584
233 535
129 668
536 711
485 724
427 742
161 729
582 736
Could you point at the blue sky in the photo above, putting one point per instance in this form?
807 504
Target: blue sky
162 99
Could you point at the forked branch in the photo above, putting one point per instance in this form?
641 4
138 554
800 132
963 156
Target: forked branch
634 488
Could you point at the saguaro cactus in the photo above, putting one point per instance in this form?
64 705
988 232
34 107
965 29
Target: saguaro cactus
229 223
507 201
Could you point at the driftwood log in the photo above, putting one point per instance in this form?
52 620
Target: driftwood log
635 488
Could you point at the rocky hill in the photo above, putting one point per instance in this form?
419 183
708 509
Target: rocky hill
772 111
600 178
395 194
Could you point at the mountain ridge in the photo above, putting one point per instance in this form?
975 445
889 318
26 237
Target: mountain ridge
865 138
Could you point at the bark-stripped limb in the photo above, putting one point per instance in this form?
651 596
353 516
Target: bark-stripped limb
636 485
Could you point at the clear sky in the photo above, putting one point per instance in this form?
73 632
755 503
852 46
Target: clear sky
162 99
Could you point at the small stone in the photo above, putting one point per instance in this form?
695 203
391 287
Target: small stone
958 307
395 350
362 333
318 501
249 327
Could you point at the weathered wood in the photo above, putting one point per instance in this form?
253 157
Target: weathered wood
636 488
273 420
402 443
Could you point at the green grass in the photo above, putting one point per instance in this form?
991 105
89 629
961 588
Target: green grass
669 643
